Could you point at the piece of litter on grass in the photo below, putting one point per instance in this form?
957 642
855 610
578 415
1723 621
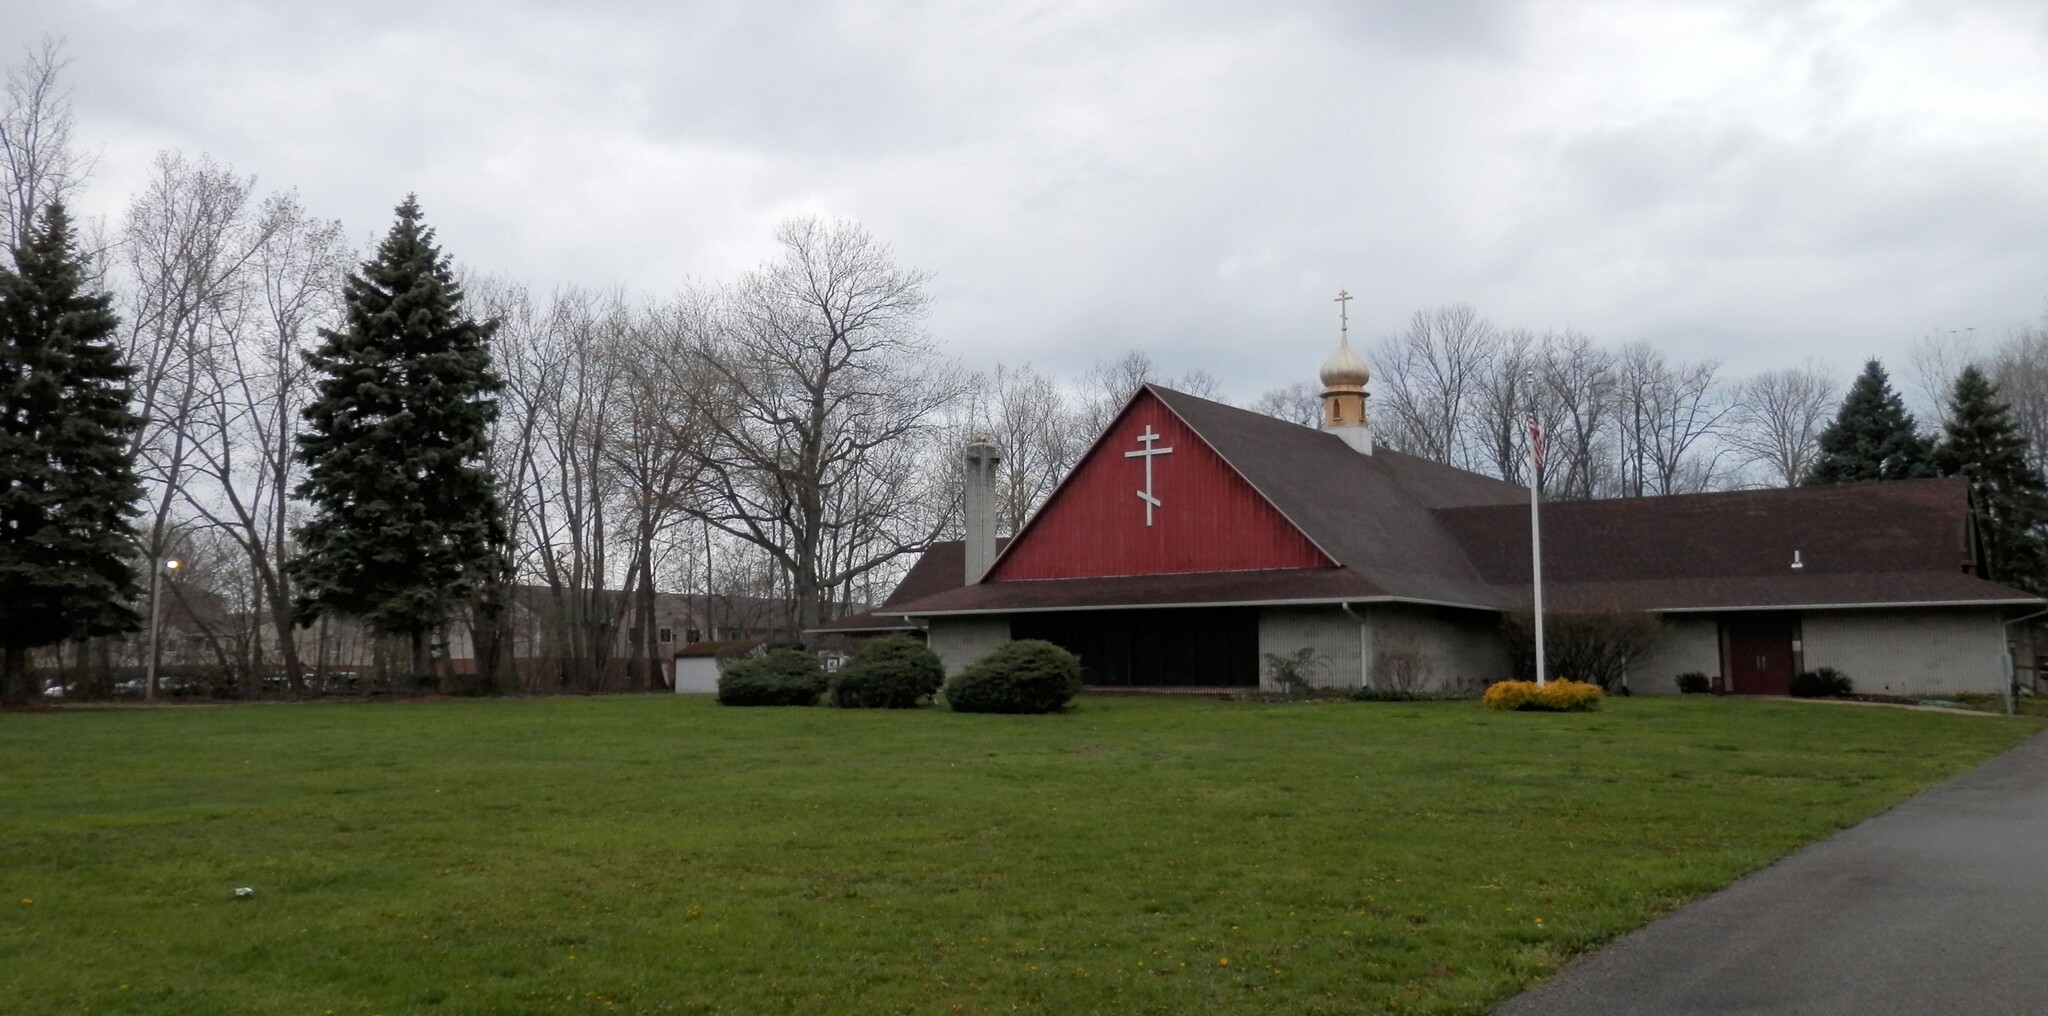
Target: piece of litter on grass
244 893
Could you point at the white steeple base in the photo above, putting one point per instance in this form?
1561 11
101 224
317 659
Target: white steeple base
1359 438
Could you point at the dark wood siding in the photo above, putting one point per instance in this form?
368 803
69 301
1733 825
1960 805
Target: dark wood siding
1209 518
1210 647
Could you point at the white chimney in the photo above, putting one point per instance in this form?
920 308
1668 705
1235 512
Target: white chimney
982 458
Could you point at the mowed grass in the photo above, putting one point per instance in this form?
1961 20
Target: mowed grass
666 855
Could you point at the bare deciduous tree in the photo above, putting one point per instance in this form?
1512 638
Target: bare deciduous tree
1777 419
1110 383
1028 417
1576 396
1426 378
1663 414
252 386
187 245
1501 405
1300 402
38 163
819 375
1933 364
2019 366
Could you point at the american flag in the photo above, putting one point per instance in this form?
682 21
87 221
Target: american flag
1535 440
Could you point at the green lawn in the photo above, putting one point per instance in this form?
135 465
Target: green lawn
665 855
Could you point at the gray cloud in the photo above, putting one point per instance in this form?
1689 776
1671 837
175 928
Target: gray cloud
1754 181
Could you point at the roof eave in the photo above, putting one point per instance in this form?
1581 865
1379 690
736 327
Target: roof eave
1319 601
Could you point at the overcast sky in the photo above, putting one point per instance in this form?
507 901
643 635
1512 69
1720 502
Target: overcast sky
1752 181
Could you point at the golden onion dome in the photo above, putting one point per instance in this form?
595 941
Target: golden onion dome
1344 368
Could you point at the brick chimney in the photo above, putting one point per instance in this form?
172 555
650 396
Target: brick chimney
982 459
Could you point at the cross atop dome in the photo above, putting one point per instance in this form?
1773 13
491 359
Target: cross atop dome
1344 378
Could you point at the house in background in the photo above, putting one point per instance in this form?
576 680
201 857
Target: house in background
1193 538
548 625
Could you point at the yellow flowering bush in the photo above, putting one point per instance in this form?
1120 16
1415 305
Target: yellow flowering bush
1563 695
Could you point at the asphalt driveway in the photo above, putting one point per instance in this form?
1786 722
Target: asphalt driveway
1937 906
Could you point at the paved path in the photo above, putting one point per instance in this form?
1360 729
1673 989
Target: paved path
1937 906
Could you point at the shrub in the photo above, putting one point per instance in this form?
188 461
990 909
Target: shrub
1026 676
1560 696
779 677
1827 682
1402 668
889 673
1597 645
1294 673
1695 683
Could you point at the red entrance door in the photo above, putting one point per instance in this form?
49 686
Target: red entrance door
1759 653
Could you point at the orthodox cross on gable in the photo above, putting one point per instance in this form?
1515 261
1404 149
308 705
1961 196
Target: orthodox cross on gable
1147 453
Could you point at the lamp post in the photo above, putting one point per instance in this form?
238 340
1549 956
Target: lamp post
156 613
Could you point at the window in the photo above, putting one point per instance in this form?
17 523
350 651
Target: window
632 636
693 635
665 635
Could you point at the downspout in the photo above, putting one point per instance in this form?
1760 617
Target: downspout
2012 671
1364 647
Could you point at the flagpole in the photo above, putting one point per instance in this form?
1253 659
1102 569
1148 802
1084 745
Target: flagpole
1536 531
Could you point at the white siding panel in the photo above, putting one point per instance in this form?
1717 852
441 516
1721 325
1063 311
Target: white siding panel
1331 632
1909 652
960 641
696 675
1688 644
1461 648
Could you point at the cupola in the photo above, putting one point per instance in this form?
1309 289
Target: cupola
1344 378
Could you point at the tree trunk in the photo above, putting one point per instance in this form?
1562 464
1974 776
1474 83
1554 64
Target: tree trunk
14 675
422 662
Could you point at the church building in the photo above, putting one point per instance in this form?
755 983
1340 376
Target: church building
1193 538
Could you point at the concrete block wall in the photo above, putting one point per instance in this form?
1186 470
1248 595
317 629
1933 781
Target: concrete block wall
1331 632
1689 643
1914 651
960 641
1461 648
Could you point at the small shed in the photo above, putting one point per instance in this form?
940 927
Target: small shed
698 664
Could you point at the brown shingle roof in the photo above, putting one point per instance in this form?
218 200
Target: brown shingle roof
941 567
1893 526
1409 529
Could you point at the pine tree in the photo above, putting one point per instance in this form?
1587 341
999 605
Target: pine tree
68 488
1983 442
1872 438
405 517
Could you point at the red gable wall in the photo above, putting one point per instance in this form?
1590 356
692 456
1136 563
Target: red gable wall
1208 519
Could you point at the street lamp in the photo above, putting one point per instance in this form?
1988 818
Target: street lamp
156 613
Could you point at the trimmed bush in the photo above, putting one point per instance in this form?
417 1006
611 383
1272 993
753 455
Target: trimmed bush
1560 696
889 673
1827 682
1026 676
1598 645
778 677
1695 683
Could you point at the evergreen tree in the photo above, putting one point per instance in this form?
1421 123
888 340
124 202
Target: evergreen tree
405 517
1872 438
68 488
1983 442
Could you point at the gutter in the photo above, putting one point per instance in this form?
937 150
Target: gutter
1364 647
1339 601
